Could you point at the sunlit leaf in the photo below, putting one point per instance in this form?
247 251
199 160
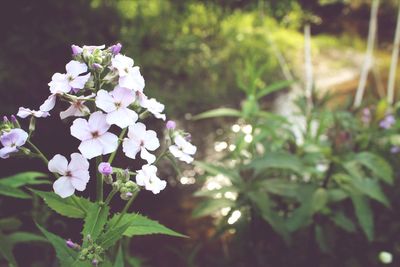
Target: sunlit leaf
219 112
9 191
215 170
210 206
95 220
273 88
377 165
24 178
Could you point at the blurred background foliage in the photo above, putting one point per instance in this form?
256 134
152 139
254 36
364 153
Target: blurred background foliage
191 54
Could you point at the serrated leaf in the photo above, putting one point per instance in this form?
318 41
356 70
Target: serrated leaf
377 165
215 170
24 178
65 206
141 225
219 112
95 220
341 220
364 215
277 160
20 237
111 236
9 191
65 255
210 206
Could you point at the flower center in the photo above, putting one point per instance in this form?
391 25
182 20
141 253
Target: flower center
68 173
117 104
95 134
70 78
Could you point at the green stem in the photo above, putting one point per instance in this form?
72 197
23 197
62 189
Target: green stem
127 205
99 184
37 150
121 136
110 196
163 154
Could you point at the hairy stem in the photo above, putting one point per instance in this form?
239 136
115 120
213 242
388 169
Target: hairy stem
125 209
110 196
99 184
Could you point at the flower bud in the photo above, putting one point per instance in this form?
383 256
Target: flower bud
97 67
71 244
95 262
13 119
116 185
105 168
76 50
126 196
115 49
5 119
170 125
108 179
188 137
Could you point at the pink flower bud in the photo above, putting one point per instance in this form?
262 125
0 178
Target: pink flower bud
71 244
95 262
5 119
105 168
115 49
13 119
76 50
170 125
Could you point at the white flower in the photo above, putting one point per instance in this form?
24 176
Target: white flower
140 140
74 176
129 76
182 149
25 112
11 141
49 103
64 83
76 50
77 108
147 177
154 107
95 139
116 104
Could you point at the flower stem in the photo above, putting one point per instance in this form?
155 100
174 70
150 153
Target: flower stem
99 185
125 209
121 136
37 150
110 196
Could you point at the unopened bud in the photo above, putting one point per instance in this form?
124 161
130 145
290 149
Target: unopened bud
76 50
170 125
95 262
71 244
105 168
115 49
13 119
108 179
97 67
126 195
5 119
188 137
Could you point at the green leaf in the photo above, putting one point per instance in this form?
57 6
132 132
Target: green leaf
10 223
273 88
119 260
219 112
364 215
20 237
215 170
337 195
141 225
341 220
111 236
280 187
65 255
263 204
24 178
370 188
9 191
6 248
95 220
319 199
210 206
65 206
277 160
377 165
322 239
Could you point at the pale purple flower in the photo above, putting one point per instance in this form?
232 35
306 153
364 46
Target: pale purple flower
170 125
74 176
49 103
93 133
147 177
154 107
140 140
13 119
76 50
77 108
366 116
71 244
11 141
387 122
129 75
115 49
182 149
105 168
25 112
64 83
395 149
116 104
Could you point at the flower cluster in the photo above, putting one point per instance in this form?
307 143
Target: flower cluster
104 91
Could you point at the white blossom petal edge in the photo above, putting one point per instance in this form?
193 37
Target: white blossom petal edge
74 176
25 112
183 150
147 177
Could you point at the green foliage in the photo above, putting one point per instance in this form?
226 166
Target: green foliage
73 207
9 186
95 220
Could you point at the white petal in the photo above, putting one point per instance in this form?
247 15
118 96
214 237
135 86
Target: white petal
105 101
175 151
144 154
122 117
80 129
63 187
121 62
80 81
78 162
58 164
123 95
141 178
21 136
137 131
6 151
80 179
130 148
91 148
134 80
49 103
69 112
151 141
109 142
186 158
97 122
24 112
75 68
